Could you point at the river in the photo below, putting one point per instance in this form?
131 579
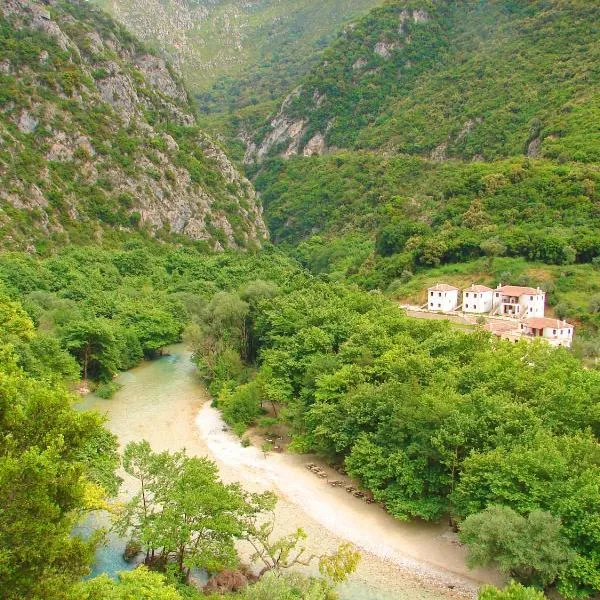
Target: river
163 402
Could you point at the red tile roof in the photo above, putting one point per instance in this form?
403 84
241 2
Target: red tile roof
478 288
443 287
517 290
541 322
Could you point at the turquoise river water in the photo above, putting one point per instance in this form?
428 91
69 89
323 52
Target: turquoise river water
163 402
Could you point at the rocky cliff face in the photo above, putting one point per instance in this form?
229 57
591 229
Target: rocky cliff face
97 132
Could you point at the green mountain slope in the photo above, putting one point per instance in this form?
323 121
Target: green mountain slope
463 79
457 140
97 134
235 53
401 223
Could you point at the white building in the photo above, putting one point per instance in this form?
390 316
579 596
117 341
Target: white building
519 302
554 331
442 297
478 299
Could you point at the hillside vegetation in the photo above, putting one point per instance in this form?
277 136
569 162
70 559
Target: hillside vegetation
433 421
472 80
449 133
232 53
97 134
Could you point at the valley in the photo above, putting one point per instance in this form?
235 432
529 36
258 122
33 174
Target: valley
409 559
216 220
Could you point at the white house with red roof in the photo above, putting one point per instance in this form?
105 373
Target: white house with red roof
442 297
518 302
554 331
478 299
512 312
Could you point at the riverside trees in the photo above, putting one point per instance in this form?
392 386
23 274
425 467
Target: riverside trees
111 308
185 516
182 513
433 421
53 462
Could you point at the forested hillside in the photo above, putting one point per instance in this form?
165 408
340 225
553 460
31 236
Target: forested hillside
449 134
88 313
232 53
432 141
435 422
472 80
97 134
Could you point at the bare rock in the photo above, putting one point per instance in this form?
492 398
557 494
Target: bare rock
420 16
318 98
27 123
360 63
118 90
384 49
156 71
228 581
316 145
61 150
171 143
468 127
94 42
533 149
83 143
417 16
283 129
439 153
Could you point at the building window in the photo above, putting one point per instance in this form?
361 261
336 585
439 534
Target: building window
439 294
439 306
531 297
554 332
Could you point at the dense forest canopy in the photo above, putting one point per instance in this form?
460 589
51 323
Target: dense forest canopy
433 421
432 141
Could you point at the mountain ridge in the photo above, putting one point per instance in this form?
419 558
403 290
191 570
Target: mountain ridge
235 54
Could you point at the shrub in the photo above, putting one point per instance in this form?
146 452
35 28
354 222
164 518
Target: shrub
107 390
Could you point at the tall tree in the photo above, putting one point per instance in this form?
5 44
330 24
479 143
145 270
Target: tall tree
94 345
183 513
531 549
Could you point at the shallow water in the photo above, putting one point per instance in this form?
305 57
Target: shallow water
162 401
